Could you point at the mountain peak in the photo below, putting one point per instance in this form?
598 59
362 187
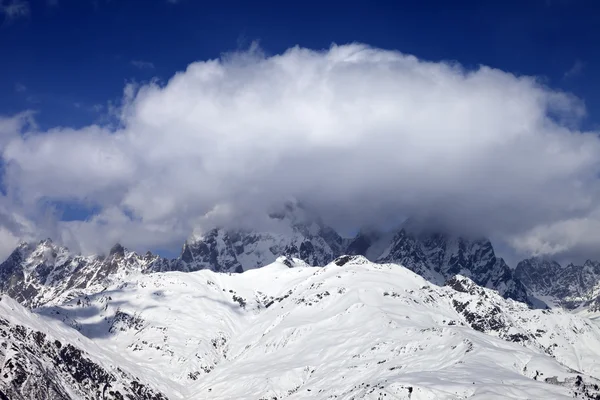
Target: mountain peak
291 231
117 250
439 256
46 241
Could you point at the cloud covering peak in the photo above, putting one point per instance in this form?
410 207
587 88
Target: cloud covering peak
361 134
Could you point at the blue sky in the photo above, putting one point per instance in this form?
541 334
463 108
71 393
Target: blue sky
67 59
481 130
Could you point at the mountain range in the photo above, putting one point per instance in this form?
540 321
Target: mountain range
36 274
297 311
572 287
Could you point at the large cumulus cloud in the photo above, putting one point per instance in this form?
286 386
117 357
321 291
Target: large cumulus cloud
363 135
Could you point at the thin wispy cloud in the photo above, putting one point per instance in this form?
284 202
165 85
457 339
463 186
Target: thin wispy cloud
14 9
575 70
20 88
142 64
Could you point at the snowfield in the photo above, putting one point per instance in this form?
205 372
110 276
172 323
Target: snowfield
45 359
350 330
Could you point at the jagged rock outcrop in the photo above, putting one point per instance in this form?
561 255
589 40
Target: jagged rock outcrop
296 233
439 257
570 287
36 274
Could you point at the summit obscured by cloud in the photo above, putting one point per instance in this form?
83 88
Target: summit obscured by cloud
361 134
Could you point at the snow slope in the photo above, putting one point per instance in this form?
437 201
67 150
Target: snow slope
351 330
48 360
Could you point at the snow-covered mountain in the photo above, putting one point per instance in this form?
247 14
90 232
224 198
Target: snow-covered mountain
408 314
43 273
439 257
293 232
351 329
571 287
35 274
45 360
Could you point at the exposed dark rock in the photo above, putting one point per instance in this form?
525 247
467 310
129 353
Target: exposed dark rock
52 271
39 367
117 251
571 286
439 257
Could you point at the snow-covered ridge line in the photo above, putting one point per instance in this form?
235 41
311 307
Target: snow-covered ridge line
46 273
350 329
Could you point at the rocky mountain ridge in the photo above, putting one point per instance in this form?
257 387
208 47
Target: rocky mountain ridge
438 257
42 273
35 274
571 287
38 274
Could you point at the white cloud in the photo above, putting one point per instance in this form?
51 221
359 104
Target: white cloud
361 134
13 9
572 239
11 128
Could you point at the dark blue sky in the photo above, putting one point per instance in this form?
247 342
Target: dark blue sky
68 57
